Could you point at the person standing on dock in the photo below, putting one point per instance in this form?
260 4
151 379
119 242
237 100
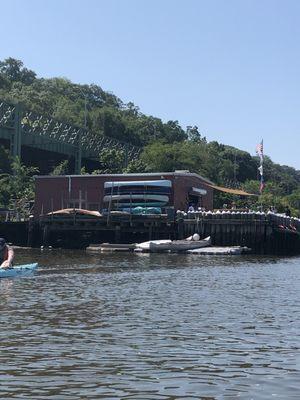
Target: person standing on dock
6 254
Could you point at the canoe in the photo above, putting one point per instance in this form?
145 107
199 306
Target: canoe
18 270
176 246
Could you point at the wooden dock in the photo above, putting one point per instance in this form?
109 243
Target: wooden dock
263 233
81 230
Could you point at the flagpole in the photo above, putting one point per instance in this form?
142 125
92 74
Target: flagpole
260 153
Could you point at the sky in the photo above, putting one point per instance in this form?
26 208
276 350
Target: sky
231 67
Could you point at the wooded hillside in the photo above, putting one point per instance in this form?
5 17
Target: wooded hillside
166 146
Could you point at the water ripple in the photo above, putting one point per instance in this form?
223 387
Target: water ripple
151 327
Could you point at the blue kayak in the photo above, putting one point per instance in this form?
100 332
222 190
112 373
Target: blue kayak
18 270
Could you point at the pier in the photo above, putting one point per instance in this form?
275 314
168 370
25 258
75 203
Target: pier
263 233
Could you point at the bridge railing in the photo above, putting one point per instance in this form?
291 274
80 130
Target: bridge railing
80 142
7 114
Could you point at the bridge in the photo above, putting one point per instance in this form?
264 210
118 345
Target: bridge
25 128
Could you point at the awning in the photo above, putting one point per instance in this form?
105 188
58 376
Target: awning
232 191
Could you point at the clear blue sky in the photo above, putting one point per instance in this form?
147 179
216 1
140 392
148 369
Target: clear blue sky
231 67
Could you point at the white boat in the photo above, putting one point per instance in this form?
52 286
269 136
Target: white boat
176 246
146 245
173 246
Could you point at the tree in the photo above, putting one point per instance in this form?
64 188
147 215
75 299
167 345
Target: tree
61 169
135 166
14 70
17 188
162 157
193 134
5 160
112 161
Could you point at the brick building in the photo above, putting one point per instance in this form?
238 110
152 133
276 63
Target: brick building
176 189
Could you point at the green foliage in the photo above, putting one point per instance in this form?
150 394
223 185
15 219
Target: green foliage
5 160
194 135
112 162
135 166
17 188
83 171
64 100
186 155
293 200
251 186
61 169
13 70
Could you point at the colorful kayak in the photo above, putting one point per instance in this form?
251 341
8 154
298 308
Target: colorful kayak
148 184
18 270
133 197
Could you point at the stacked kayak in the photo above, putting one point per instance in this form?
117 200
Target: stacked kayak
18 270
132 194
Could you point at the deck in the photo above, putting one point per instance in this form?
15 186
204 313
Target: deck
263 233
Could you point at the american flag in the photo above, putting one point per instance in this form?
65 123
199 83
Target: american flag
260 149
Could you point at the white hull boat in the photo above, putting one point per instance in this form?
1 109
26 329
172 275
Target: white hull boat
176 246
145 246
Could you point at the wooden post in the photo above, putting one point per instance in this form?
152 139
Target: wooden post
150 230
30 237
180 226
46 234
117 234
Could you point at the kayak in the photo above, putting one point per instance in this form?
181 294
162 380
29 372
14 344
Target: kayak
18 270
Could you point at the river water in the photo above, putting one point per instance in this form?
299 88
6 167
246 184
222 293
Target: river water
140 326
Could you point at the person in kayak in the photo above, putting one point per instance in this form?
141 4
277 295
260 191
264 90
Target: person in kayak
6 254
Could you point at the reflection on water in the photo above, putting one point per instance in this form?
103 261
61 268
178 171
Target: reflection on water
140 326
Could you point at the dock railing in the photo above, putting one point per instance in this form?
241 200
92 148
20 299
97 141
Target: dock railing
263 232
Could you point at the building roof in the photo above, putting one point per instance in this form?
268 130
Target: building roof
148 174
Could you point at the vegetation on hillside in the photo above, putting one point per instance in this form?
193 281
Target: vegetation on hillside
166 146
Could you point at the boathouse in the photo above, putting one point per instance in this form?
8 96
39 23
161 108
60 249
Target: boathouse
164 190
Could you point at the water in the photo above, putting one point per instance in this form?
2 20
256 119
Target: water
140 326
